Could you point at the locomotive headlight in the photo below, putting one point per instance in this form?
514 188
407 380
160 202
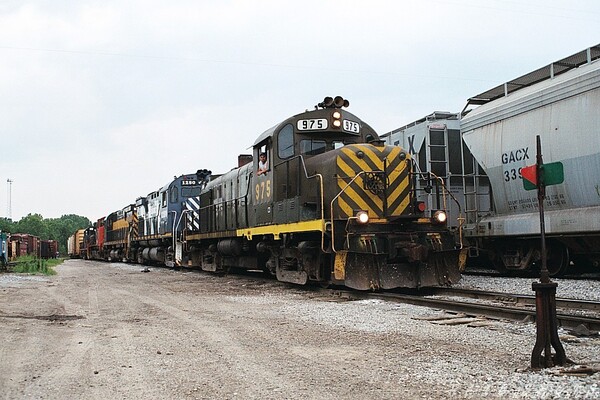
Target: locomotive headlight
362 217
337 119
440 216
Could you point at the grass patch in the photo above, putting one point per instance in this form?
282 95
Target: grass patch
34 265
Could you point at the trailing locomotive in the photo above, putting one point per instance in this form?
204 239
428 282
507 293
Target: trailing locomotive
76 247
328 203
163 216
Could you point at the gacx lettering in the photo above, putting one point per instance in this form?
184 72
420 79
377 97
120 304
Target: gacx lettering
515 155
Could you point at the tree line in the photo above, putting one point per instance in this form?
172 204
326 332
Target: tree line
58 229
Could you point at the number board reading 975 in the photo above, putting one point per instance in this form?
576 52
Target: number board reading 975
351 126
312 124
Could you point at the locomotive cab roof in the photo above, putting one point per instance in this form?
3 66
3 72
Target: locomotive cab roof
328 119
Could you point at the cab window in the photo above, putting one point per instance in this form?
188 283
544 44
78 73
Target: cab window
174 194
263 165
286 142
312 147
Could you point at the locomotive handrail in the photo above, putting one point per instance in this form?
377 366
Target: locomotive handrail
444 189
176 227
245 196
220 203
173 225
236 199
321 195
320 177
331 208
445 192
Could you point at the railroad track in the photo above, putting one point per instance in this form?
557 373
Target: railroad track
508 306
581 275
515 299
522 306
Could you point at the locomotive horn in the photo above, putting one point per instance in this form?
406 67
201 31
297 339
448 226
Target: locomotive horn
327 102
346 103
338 101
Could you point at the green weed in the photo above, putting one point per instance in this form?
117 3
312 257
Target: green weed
34 265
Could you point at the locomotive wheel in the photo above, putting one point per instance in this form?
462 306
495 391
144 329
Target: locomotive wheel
324 284
558 259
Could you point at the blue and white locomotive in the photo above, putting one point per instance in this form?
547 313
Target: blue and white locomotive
163 216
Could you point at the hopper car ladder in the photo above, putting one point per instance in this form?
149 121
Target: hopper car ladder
476 188
437 160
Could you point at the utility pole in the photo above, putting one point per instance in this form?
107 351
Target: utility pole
8 203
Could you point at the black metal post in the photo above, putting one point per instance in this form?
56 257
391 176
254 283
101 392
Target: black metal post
545 293
541 194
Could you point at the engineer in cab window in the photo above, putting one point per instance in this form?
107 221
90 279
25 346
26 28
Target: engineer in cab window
263 164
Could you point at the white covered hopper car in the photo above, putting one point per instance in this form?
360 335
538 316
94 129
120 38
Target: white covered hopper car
561 103
478 156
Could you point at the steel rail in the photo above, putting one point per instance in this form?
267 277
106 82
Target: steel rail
517 298
477 309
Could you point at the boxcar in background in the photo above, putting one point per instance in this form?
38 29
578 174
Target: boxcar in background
3 249
23 244
48 249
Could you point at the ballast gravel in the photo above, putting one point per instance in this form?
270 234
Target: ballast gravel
189 335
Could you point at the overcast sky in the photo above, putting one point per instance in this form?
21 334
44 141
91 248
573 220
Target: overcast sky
105 101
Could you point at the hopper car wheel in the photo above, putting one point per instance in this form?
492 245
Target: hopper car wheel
498 264
557 259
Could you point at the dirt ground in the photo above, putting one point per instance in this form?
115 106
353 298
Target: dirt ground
104 331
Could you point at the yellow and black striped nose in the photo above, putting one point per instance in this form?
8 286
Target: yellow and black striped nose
134 223
372 178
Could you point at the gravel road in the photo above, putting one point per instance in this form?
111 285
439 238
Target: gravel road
104 331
